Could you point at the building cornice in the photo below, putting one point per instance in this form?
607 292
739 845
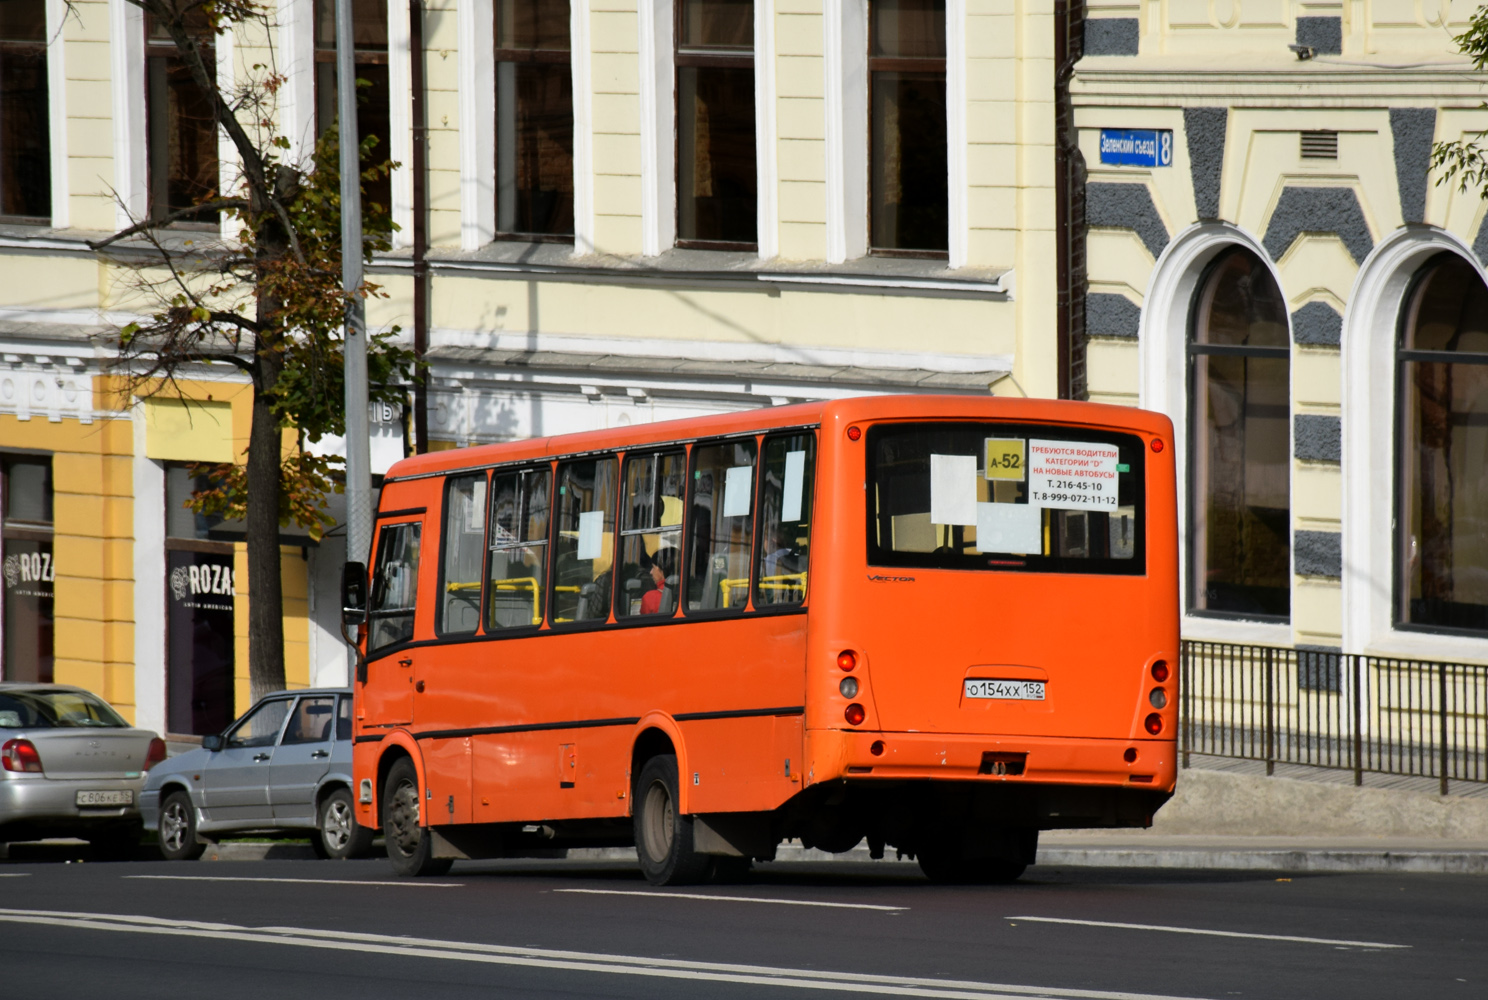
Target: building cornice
1323 82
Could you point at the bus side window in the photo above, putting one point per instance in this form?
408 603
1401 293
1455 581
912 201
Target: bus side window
789 476
394 586
464 545
519 549
651 533
585 540
722 525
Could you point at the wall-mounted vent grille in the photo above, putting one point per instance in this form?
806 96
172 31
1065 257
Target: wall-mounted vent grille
1319 145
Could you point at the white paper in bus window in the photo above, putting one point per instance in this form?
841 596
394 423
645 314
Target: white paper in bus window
738 491
1072 475
795 485
953 489
591 534
1010 527
475 514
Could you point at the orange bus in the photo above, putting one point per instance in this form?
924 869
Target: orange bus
940 624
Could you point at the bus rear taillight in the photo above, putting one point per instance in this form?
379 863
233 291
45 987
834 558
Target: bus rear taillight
1160 671
847 660
1154 723
848 687
855 715
1158 698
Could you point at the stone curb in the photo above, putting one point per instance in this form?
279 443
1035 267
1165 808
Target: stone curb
1218 858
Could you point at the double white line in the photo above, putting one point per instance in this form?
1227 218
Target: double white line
566 961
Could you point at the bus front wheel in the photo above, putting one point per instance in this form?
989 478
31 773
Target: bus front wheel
410 848
663 835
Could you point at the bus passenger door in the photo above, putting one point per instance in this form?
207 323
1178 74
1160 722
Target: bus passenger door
388 694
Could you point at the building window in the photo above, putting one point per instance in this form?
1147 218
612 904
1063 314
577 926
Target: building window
717 187
1240 556
200 605
1442 479
30 574
534 121
908 187
182 133
25 143
369 41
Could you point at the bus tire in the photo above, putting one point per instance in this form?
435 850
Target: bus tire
663 835
410 848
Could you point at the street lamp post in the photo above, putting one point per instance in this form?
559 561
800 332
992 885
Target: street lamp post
358 449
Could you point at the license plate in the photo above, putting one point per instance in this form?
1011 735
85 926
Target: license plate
1005 690
124 798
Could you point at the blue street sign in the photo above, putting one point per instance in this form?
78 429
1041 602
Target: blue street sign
1136 147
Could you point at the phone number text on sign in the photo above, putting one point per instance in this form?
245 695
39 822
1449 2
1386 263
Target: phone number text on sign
1072 475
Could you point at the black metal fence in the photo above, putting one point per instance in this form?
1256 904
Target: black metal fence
1346 711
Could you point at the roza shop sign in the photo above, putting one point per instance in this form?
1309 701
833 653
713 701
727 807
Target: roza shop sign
1136 147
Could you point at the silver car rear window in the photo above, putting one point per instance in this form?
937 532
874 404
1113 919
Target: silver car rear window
56 710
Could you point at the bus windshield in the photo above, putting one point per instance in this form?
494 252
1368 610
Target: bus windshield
1005 496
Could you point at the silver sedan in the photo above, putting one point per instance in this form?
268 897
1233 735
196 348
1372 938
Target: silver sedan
71 767
284 766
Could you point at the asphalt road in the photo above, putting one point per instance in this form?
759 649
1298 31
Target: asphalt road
797 930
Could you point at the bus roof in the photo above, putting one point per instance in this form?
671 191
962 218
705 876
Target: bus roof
795 415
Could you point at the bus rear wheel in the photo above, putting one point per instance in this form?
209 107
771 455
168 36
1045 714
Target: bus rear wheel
410 848
663 835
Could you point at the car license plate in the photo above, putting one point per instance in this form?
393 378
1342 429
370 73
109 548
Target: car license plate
1005 690
123 798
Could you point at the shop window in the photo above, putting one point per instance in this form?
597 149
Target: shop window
1240 483
908 187
1442 472
182 132
651 533
519 549
534 120
369 42
29 570
201 599
717 186
720 526
25 132
584 540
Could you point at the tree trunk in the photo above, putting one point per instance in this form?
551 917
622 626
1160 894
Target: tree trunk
266 603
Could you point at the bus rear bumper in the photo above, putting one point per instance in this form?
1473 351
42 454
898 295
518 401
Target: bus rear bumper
835 754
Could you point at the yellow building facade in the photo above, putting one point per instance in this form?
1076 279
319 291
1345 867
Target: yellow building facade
634 211
1288 280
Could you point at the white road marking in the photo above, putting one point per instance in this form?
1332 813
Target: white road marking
568 961
14 874
734 899
298 881
1209 933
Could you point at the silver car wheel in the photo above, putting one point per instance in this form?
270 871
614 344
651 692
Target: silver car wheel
335 825
174 825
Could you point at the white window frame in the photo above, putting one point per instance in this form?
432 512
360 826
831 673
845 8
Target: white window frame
1163 364
766 136
658 84
131 166
400 119
1370 412
845 47
957 192
56 22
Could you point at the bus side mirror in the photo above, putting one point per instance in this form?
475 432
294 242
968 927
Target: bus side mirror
212 742
353 594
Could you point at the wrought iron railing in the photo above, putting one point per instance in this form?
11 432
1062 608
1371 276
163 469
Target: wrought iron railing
1366 714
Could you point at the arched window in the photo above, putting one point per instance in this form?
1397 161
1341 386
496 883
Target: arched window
1441 519
1240 492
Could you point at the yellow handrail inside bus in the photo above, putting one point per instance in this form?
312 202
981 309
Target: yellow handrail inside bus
783 581
528 583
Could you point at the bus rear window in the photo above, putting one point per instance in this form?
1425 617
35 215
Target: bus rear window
1012 497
